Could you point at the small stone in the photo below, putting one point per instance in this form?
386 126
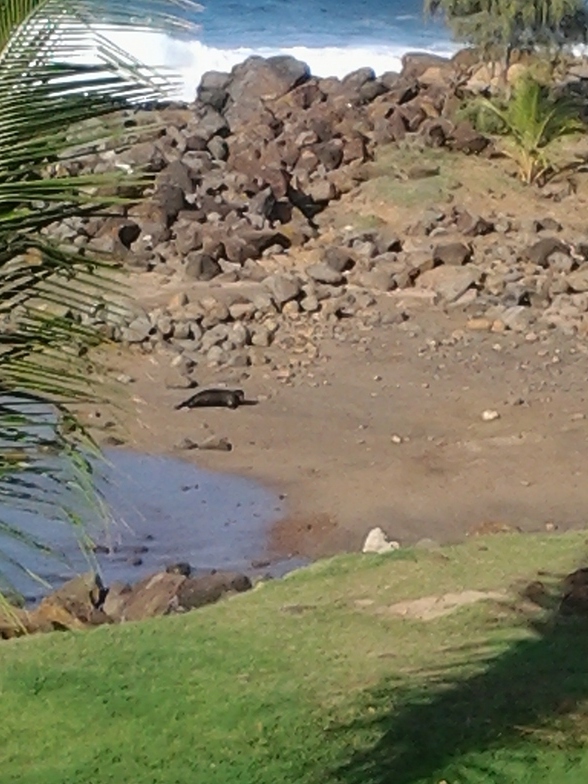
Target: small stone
324 273
216 356
283 288
453 253
261 337
396 439
186 444
378 542
310 303
216 443
448 282
291 309
112 441
490 415
124 378
242 310
479 325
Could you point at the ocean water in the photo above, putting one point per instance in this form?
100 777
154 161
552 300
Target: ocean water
333 36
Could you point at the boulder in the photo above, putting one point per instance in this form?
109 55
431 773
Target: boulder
199 591
465 138
153 596
415 64
77 604
258 80
210 123
212 90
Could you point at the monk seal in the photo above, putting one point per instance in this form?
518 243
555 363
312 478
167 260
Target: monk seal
222 398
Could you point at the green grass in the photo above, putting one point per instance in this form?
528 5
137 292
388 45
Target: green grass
458 176
311 680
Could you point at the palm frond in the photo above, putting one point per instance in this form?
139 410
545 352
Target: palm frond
532 120
65 90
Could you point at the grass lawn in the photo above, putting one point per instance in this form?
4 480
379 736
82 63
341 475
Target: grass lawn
314 679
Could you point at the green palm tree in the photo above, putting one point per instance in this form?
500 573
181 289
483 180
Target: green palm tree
62 86
532 120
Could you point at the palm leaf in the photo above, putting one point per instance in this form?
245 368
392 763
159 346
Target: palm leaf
532 120
64 91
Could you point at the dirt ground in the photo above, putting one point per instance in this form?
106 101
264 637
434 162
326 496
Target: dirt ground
385 427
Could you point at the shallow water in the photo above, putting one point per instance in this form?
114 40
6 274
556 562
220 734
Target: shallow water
163 511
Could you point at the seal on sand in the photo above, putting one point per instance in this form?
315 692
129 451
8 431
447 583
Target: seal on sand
223 398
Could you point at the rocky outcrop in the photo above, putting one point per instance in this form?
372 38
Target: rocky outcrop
241 177
84 601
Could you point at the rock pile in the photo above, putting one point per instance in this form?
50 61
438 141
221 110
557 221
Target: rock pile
240 176
84 602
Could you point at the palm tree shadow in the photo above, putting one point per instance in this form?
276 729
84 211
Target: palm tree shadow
450 718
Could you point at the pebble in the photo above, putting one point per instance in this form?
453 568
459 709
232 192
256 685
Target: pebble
489 415
216 443
186 444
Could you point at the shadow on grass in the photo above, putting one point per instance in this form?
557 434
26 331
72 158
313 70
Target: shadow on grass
474 719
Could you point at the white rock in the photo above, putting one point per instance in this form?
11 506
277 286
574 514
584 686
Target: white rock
378 542
489 415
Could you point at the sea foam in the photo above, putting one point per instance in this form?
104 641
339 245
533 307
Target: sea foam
189 59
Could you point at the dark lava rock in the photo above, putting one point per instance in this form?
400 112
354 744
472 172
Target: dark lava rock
454 253
199 591
201 266
539 253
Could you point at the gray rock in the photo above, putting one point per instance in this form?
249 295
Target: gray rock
261 336
449 283
283 288
338 259
310 303
212 90
454 253
137 331
324 273
215 336
321 190
380 278
165 326
218 148
417 261
578 280
201 266
517 318
216 356
242 310
540 252
239 335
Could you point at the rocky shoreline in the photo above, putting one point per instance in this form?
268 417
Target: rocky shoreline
242 177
